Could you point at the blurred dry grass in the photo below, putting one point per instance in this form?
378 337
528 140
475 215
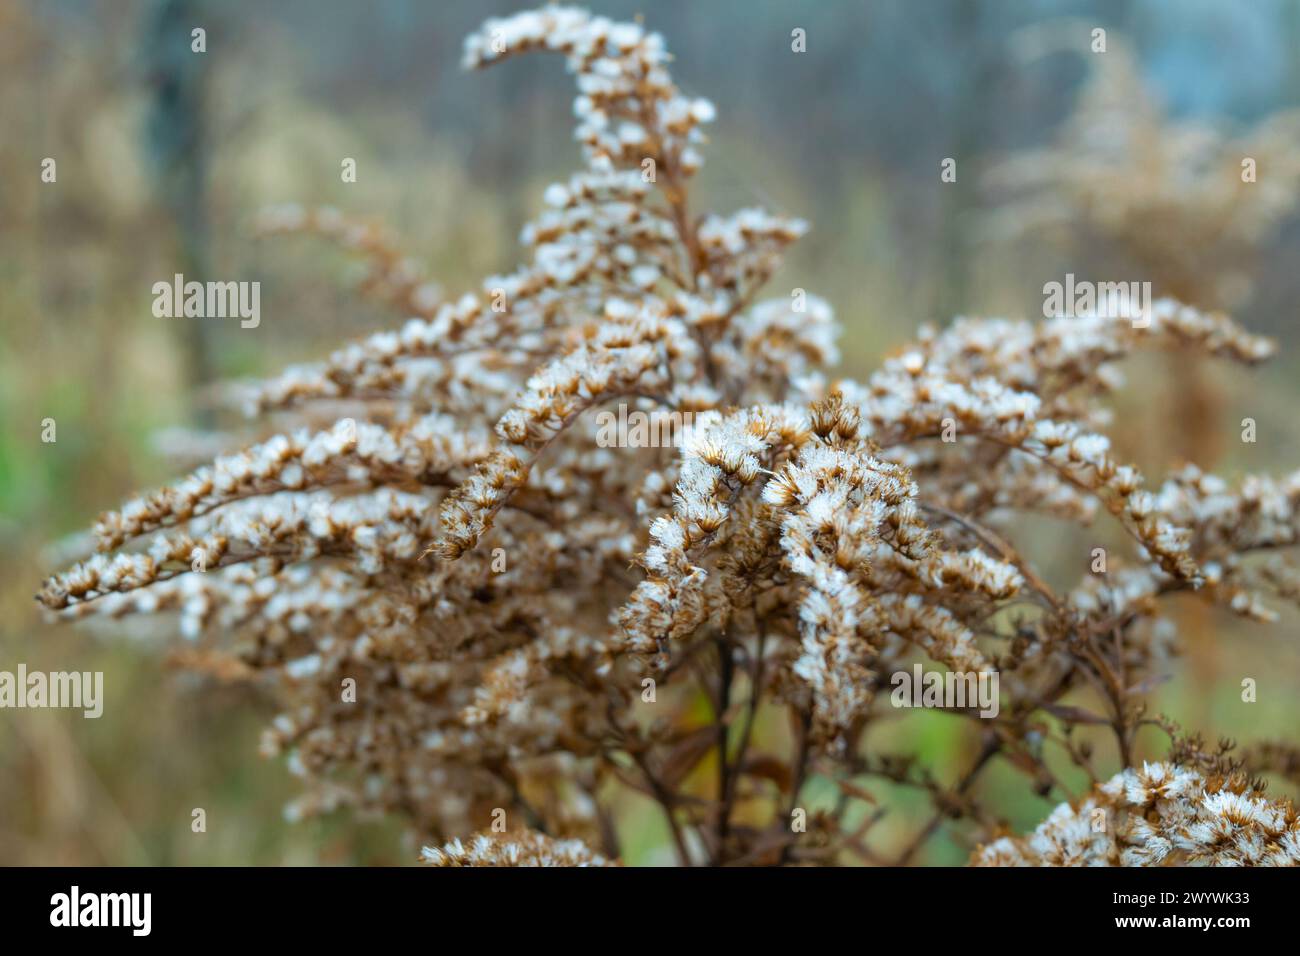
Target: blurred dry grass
81 346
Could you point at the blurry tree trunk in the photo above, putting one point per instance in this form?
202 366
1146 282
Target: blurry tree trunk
177 143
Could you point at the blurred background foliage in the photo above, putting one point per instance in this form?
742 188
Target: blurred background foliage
164 157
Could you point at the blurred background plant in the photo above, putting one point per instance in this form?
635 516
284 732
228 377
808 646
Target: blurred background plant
164 158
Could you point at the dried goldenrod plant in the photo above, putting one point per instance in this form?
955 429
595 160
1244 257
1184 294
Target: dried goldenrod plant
478 616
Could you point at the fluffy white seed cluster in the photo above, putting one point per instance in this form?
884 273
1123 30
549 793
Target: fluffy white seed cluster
526 849
1159 815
